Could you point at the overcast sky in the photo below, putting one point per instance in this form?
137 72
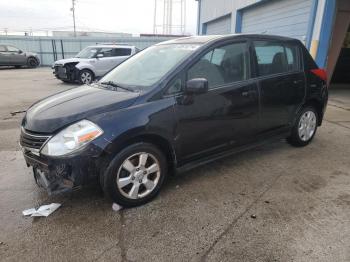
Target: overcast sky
129 16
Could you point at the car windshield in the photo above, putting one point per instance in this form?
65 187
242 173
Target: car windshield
88 52
146 68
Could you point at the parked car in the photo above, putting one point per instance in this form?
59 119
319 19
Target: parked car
12 56
172 107
92 63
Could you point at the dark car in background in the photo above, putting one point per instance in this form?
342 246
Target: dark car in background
12 56
171 107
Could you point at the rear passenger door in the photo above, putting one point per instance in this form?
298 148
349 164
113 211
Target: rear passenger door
119 55
281 83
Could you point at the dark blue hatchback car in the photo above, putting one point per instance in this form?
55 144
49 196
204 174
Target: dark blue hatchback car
171 107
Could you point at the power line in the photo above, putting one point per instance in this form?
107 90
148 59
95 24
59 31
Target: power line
73 10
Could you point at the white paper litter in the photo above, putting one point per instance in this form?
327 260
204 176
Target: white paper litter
116 207
42 211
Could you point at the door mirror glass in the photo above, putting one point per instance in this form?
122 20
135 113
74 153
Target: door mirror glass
196 86
99 55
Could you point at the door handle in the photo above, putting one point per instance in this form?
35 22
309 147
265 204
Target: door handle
245 93
248 93
297 81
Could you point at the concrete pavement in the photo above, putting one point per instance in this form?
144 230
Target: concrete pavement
273 203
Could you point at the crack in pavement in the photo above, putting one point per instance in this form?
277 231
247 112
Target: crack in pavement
341 107
211 247
336 123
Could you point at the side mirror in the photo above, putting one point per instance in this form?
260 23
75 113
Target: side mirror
99 55
196 86
20 51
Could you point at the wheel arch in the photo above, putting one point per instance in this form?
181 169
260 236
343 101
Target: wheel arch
318 105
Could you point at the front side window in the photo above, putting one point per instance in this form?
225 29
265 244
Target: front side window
106 52
12 49
275 58
222 65
149 66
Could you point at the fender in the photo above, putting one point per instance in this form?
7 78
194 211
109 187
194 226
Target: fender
84 65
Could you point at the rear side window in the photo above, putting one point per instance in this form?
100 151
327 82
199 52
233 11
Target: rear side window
275 58
12 49
121 51
223 65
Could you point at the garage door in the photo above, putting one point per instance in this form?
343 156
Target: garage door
219 26
283 17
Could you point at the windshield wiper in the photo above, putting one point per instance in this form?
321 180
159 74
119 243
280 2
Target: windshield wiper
113 84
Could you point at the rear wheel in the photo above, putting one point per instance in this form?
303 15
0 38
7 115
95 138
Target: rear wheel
86 77
135 175
32 62
304 128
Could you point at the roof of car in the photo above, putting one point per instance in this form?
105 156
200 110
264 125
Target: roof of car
112 45
203 39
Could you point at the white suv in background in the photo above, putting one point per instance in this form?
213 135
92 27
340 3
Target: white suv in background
92 62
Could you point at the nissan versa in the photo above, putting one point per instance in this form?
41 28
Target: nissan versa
171 107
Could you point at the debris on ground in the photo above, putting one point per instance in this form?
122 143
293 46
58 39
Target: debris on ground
42 211
267 201
177 186
253 216
116 207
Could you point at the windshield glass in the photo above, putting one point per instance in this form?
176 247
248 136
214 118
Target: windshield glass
147 67
88 52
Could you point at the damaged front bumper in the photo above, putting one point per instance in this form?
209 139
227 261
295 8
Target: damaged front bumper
66 72
63 174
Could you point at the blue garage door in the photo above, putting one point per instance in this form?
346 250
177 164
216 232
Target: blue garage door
219 26
283 17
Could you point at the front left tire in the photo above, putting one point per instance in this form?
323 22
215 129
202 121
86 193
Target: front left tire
136 175
86 77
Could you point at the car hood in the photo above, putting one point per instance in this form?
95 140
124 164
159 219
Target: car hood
69 60
57 111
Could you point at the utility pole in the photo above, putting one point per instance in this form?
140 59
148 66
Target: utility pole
73 10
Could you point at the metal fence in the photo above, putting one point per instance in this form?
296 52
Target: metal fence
51 49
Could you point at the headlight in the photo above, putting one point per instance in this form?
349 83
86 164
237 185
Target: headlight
72 138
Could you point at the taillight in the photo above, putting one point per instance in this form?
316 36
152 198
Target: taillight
321 73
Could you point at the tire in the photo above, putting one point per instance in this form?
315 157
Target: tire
124 186
32 62
305 127
86 77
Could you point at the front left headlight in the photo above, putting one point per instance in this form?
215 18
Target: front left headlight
72 138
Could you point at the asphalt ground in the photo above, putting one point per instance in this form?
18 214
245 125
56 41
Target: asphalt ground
272 203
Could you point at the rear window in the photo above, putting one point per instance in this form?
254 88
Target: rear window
121 51
275 58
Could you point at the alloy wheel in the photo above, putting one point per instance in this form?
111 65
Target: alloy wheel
86 77
307 125
138 175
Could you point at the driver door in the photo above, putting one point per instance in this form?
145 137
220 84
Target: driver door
225 116
16 57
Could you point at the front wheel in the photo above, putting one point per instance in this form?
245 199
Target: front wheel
86 77
135 175
305 127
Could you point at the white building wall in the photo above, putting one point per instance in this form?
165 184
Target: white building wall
213 9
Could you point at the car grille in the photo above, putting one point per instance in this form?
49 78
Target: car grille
32 140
